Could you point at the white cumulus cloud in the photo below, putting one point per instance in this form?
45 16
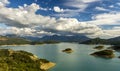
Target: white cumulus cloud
24 21
58 9
106 19
4 2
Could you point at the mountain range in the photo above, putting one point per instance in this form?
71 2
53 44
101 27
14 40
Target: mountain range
111 41
76 38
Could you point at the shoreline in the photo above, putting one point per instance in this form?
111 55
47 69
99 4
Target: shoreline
26 44
48 43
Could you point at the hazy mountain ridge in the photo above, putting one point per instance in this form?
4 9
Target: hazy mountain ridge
111 41
14 39
5 40
65 38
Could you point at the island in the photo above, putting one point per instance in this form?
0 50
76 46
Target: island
99 47
68 50
11 60
104 54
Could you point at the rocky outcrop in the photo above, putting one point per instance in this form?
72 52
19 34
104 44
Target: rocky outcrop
104 54
11 60
46 66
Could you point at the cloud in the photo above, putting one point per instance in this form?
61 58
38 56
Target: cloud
111 6
24 21
4 2
58 9
75 7
118 4
45 9
114 32
79 3
87 1
106 19
101 9
23 16
67 13
116 28
17 31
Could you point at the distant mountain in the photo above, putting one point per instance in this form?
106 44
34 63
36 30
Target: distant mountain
11 35
112 41
5 40
14 39
115 41
76 38
32 38
96 41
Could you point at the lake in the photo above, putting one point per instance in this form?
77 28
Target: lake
79 60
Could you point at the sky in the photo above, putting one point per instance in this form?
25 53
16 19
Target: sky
92 18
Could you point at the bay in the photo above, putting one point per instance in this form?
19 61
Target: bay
79 60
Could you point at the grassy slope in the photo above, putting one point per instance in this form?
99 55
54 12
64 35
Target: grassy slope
13 41
19 61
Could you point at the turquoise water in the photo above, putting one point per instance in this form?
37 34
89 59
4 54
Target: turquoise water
79 60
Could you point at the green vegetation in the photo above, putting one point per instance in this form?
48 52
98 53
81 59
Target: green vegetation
104 54
96 41
102 41
21 41
13 41
20 61
68 50
99 47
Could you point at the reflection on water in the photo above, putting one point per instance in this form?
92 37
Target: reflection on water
79 60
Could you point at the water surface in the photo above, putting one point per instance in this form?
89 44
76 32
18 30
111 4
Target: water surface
79 60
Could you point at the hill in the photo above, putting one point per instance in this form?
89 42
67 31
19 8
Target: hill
95 41
111 41
13 41
115 41
11 60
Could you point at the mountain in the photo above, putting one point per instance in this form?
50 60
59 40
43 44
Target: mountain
115 41
14 39
5 40
11 35
76 38
111 41
96 41
31 38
